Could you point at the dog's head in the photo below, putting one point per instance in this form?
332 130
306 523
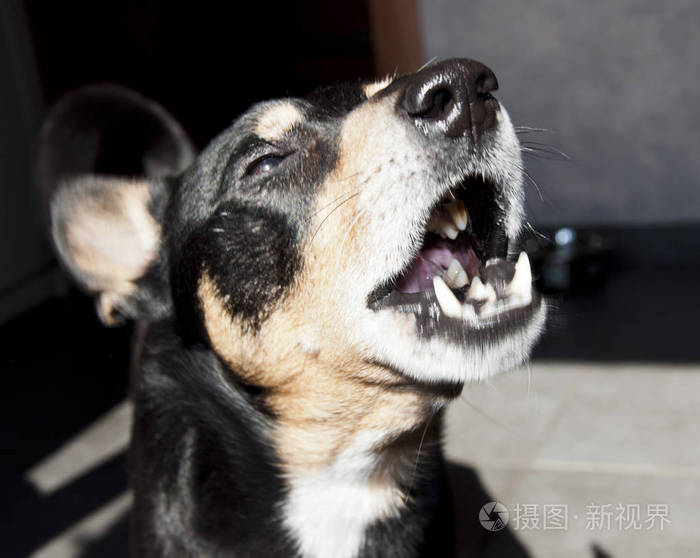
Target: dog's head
344 253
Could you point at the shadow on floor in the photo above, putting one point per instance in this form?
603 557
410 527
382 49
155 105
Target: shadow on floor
61 371
472 539
39 519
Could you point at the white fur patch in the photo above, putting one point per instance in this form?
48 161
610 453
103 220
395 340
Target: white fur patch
277 120
438 360
328 511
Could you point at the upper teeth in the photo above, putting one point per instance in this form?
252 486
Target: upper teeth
458 212
449 222
518 293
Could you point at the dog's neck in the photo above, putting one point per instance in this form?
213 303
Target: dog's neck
333 509
369 495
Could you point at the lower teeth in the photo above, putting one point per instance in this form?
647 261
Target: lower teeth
519 293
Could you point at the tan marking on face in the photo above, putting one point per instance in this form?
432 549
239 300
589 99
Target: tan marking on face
371 89
342 219
320 386
113 238
321 400
277 120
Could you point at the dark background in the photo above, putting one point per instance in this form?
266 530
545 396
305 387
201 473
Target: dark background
205 62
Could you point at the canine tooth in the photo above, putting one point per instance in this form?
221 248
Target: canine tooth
455 276
521 284
446 298
450 231
478 291
458 212
444 228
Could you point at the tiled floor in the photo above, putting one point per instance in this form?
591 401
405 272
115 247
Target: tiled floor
582 441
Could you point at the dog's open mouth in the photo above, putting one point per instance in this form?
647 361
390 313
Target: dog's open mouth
460 275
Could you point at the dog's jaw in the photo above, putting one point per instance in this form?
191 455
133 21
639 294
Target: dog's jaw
438 360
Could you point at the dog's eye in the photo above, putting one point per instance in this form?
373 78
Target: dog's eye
263 165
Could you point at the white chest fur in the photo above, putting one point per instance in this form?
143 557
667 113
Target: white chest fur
329 510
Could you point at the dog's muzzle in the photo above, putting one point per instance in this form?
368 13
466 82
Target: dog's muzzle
459 278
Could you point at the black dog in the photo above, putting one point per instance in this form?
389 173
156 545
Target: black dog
320 282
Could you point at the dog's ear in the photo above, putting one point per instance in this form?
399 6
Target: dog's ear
109 237
106 158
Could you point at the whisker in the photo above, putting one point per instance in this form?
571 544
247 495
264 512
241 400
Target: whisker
488 417
529 227
544 151
347 197
428 63
329 204
531 130
343 179
418 455
534 183
347 232
331 212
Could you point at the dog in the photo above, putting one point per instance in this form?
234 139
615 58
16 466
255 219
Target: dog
318 284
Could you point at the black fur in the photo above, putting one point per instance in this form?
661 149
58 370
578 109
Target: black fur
190 428
236 238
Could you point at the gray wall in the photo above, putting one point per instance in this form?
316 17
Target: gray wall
618 84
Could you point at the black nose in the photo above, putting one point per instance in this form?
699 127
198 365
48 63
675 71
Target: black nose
453 97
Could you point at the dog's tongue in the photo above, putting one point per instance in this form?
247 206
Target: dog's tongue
434 260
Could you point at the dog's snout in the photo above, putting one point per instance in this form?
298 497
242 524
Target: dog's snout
453 97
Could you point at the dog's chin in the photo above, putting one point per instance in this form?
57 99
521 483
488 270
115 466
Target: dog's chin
432 348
